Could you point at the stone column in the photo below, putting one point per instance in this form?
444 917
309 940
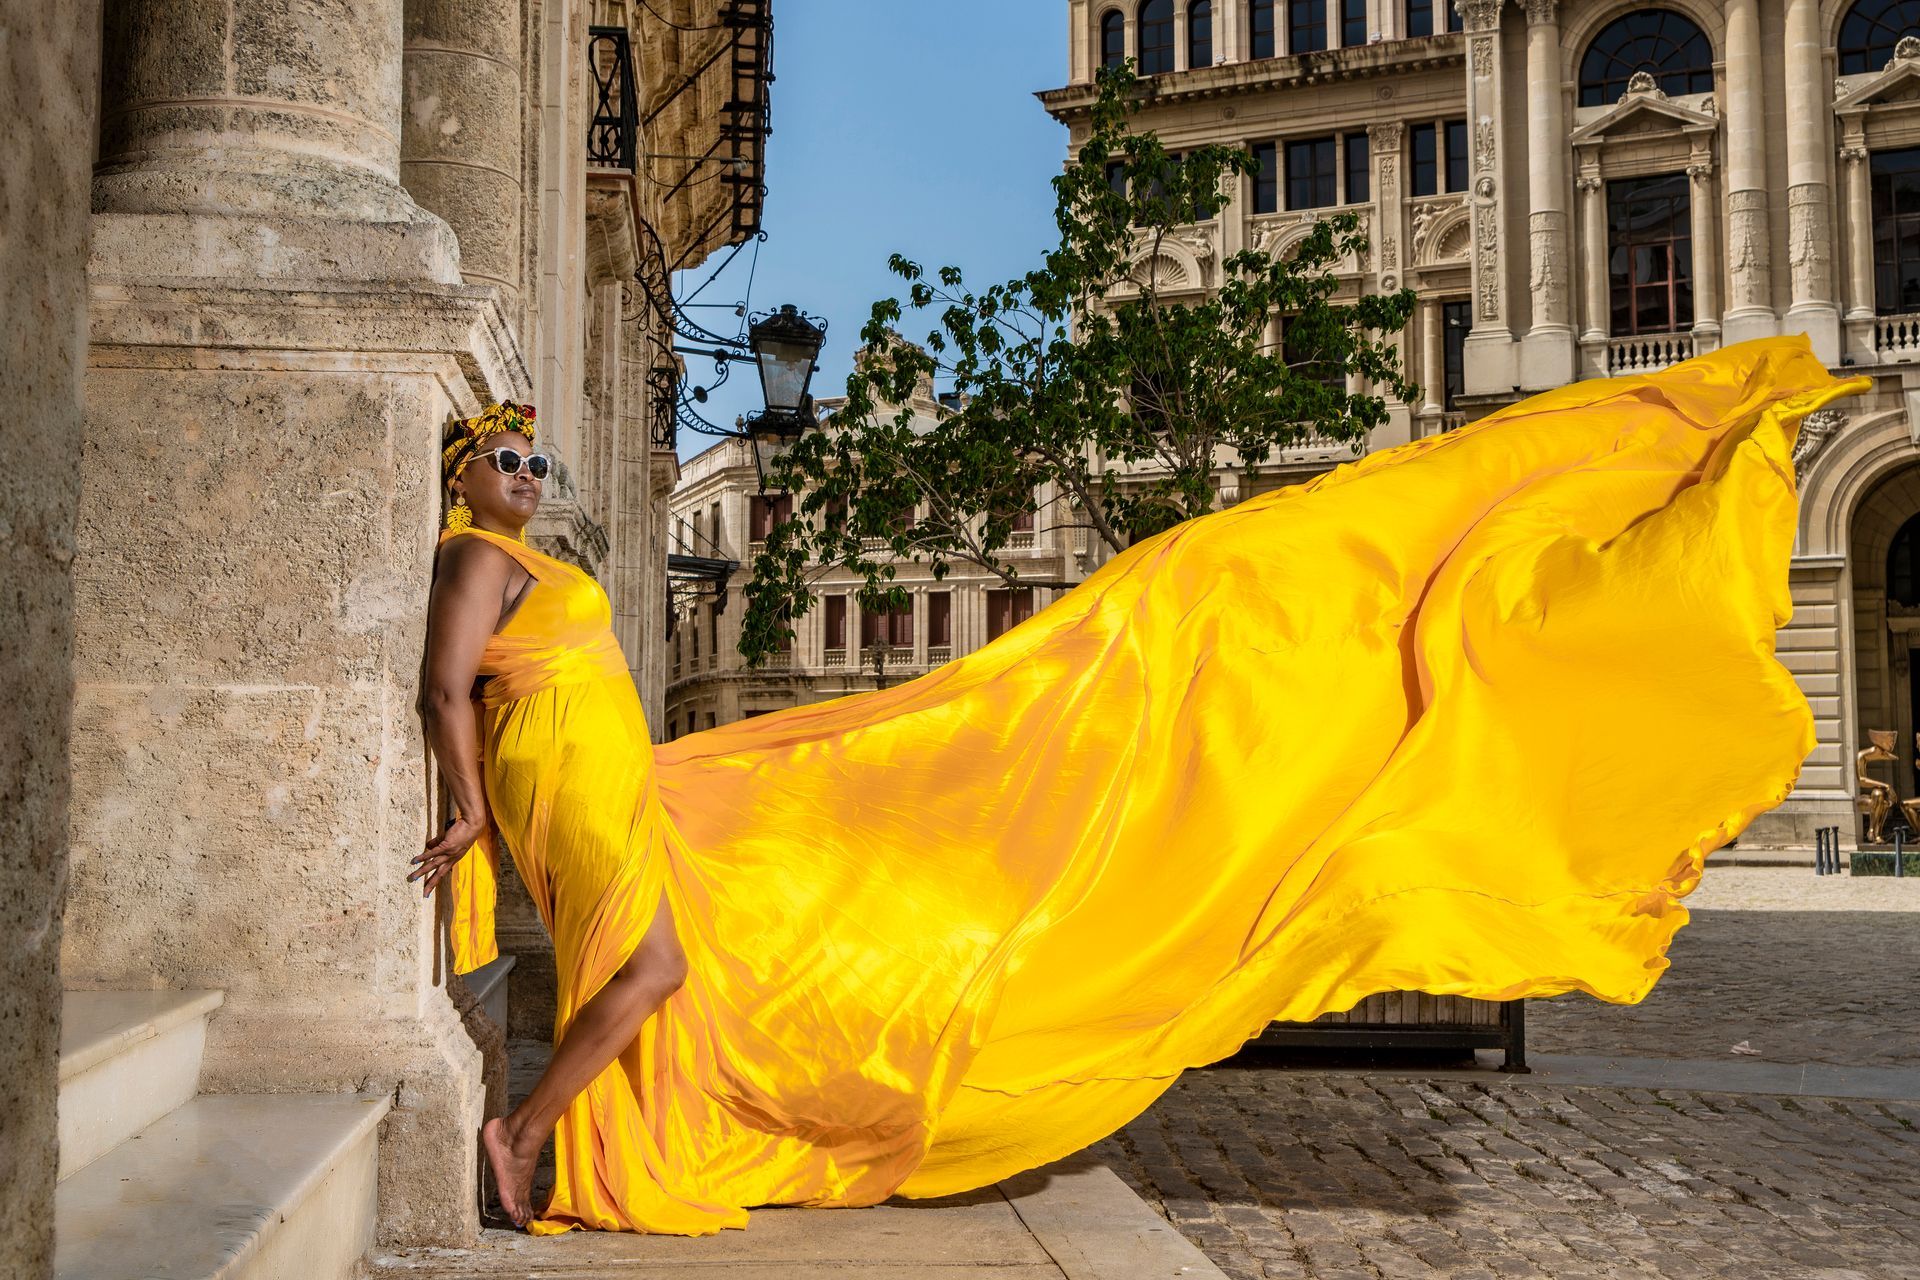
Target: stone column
1596 317
1492 366
1389 19
280 335
1704 212
48 97
1229 31
1546 353
1750 310
1083 55
460 134
1433 363
1809 226
1181 53
1859 246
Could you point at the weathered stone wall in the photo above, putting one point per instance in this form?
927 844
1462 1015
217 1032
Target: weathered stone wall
48 79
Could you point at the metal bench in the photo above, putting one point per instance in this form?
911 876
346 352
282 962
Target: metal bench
1413 1020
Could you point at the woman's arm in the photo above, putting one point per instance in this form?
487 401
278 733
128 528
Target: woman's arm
462 613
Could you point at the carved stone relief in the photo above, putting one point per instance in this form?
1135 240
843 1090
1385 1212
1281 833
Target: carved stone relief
1816 429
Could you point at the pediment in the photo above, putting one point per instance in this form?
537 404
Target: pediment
1899 82
1638 114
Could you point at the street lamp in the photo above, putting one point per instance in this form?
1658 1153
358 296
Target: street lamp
785 345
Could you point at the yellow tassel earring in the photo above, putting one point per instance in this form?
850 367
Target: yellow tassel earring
460 516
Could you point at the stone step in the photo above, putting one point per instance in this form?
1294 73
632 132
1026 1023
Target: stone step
229 1187
126 1059
489 986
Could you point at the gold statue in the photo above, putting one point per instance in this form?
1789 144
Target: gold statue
1876 798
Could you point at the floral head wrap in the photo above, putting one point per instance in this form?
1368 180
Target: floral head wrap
463 439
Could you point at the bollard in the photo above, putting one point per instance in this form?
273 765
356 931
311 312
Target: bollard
1820 852
1899 857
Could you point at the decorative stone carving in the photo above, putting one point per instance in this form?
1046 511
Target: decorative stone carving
1853 155
1642 82
1486 235
1483 147
1195 240
1482 57
1427 220
1816 429
1386 137
1544 279
1906 49
1480 15
1542 13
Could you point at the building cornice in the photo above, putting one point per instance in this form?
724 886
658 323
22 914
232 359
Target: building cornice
1302 70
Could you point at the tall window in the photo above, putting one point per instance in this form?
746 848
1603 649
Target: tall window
1423 160
1156 37
1895 176
1007 608
1113 38
1355 146
1311 173
1420 16
1456 322
1658 41
1650 254
836 622
1306 25
1266 178
1260 42
764 512
1353 22
1200 33
896 628
1871 29
1456 155
939 617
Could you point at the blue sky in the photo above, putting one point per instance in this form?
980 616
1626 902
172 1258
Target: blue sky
898 126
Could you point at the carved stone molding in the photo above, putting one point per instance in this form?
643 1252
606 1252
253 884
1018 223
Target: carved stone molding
1487 265
1643 83
1480 15
1906 49
1428 222
1385 138
1816 429
1543 13
1809 241
1481 56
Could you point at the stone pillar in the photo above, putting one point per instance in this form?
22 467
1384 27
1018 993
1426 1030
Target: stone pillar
1433 363
460 131
279 337
1389 19
48 95
1859 214
1809 225
1083 54
1750 312
1389 213
1704 212
1182 53
1229 31
1596 312
1546 353
1492 366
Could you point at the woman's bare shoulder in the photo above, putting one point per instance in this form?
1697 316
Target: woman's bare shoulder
473 559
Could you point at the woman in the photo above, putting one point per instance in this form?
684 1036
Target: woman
1426 722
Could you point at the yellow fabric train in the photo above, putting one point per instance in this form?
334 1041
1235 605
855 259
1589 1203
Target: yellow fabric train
1464 716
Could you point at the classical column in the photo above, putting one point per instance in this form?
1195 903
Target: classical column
1390 242
1704 212
281 330
1491 364
460 134
1433 363
1181 53
1809 229
1546 353
1595 318
1082 56
1750 308
1860 299
1229 31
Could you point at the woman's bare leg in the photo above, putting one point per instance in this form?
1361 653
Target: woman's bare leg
604 1026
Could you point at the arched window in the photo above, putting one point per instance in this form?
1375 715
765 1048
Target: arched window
1903 565
1657 41
1156 37
1113 38
1871 29
1200 33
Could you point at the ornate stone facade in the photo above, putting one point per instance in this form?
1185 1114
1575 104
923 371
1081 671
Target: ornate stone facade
1773 145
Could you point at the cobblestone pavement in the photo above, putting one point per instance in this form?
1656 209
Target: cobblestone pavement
1286 1174
1279 1172
1798 967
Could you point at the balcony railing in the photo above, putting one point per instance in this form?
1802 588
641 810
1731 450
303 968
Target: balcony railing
1896 339
616 111
939 653
836 658
1646 352
781 660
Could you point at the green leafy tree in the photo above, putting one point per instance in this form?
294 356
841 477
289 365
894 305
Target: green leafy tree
1084 379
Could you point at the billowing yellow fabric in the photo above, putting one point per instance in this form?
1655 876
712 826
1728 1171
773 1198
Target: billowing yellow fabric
1464 716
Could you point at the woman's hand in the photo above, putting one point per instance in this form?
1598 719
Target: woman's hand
442 855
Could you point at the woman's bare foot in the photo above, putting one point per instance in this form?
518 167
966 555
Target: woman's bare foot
512 1170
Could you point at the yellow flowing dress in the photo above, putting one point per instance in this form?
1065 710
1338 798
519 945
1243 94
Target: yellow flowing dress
1465 716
